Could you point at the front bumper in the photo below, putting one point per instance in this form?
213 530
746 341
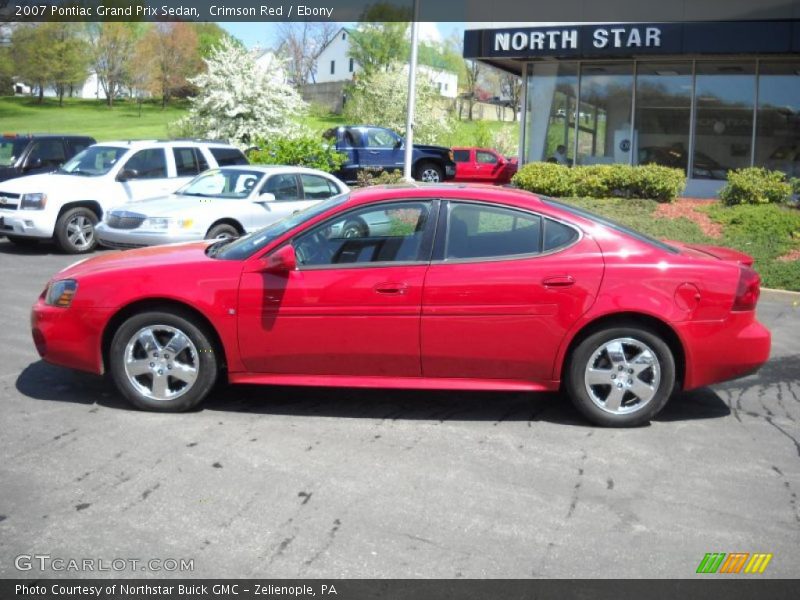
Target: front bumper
723 350
69 337
132 238
26 223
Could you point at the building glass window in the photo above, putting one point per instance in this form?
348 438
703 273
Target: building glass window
778 133
725 93
552 105
351 65
604 118
663 114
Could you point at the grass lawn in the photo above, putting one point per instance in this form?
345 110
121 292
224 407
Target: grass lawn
766 232
88 117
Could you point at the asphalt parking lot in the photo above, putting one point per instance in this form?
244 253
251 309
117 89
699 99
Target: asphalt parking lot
291 482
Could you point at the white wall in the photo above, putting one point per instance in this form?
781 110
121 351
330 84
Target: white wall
335 51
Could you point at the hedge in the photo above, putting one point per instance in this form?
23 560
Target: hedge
756 185
602 181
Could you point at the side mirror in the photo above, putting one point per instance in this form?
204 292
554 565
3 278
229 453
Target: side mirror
36 163
283 260
398 144
265 197
127 174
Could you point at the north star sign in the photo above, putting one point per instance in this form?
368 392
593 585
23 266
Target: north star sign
567 39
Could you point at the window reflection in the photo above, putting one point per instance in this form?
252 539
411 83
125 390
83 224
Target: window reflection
778 133
552 108
604 120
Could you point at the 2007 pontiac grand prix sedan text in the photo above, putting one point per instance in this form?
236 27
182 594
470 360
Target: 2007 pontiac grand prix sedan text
437 287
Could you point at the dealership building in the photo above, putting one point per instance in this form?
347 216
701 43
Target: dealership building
705 97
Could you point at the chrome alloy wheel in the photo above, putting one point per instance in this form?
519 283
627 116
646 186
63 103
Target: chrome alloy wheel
622 376
161 362
80 232
429 175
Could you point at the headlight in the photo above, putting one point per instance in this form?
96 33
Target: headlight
165 223
61 293
33 201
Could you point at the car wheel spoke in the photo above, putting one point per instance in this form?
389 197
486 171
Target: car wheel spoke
177 344
643 361
614 398
184 373
160 387
148 341
642 390
137 367
599 376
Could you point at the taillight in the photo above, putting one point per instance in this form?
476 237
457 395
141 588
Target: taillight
748 290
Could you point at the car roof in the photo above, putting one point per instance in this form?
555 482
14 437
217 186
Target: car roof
166 143
44 136
274 168
447 191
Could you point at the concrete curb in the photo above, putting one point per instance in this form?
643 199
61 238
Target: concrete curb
780 296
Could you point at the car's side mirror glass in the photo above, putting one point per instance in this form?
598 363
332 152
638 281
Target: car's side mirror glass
283 260
35 163
127 174
265 197
398 144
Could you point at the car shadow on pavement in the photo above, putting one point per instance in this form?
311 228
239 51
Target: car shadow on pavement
42 381
39 249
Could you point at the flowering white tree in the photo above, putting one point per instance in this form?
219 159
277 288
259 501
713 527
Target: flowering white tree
239 100
380 97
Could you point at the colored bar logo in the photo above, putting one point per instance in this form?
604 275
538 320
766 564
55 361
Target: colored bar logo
734 563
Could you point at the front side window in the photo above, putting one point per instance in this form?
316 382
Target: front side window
51 153
222 183
485 158
94 161
476 231
461 156
148 164
388 233
380 138
282 186
10 150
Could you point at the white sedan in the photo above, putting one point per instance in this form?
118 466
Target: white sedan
219 203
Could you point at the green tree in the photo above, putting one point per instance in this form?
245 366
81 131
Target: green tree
113 54
69 56
32 54
380 39
209 36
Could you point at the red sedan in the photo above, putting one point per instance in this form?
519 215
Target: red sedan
437 287
482 165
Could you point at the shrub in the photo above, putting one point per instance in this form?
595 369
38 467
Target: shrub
304 150
549 179
756 185
367 177
602 181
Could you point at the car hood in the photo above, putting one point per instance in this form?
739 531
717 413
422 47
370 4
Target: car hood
153 257
175 205
47 183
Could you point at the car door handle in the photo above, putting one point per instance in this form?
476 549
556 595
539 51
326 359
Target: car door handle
391 289
558 281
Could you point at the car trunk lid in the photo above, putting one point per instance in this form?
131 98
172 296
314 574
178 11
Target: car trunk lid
718 252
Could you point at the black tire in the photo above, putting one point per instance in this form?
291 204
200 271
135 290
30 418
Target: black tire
355 229
632 410
202 357
22 241
75 231
221 231
429 172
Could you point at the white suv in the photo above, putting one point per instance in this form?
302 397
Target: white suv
67 204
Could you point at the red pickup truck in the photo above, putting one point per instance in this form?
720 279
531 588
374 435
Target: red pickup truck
483 165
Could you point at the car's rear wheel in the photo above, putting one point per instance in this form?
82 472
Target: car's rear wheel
222 231
429 172
75 230
163 361
621 376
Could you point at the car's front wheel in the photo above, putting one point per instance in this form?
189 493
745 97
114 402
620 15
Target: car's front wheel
163 361
75 230
621 376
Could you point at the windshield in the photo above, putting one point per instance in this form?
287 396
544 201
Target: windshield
612 224
247 246
223 183
94 161
10 149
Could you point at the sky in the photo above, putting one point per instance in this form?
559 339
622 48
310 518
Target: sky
264 34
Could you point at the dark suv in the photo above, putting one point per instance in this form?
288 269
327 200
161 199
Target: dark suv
30 154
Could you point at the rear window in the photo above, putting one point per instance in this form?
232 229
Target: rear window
227 157
612 225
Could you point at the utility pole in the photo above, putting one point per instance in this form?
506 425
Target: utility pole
412 95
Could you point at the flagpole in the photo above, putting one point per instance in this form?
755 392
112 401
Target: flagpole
412 95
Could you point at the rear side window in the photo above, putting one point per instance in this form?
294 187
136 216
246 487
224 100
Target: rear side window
317 188
557 235
476 231
461 155
227 157
185 162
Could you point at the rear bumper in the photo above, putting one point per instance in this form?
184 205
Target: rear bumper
723 350
68 337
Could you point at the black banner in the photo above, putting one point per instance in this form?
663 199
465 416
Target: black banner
496 11
399 589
